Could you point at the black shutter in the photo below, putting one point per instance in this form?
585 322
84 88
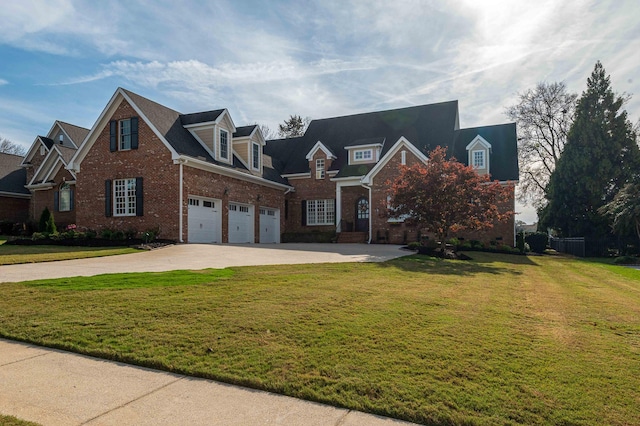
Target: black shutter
304 212
108 211
113 135
139 197
71 198
56 201
134 132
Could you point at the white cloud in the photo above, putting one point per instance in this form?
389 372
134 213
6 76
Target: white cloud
3 82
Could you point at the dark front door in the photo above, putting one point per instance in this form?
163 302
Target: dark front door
362 215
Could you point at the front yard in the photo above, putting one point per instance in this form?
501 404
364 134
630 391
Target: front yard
501 339
10 254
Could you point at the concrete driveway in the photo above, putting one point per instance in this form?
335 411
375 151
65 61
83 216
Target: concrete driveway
202 256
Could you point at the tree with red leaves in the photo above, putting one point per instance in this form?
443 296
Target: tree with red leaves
444 196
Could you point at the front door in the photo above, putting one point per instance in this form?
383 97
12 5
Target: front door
362 215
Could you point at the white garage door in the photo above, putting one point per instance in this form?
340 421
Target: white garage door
240 223
204 220
269 225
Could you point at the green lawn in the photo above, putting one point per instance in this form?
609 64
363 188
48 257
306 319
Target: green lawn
10 254
12 421
501 339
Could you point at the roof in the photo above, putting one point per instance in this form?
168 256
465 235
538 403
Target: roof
48 142
200 117
504 149
425 126
76 133
13 177
244 131
66 152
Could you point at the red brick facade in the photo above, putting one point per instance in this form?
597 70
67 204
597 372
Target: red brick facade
151 161
42 198
14 209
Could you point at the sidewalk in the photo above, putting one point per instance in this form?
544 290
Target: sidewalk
54 387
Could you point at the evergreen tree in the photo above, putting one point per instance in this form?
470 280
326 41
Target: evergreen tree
599 157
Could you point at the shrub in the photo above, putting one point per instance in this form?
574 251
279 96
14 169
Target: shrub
106 233
130 234
6 227
454 242
537 241
475 244
413 245
626 260
37 236
47 223
465 246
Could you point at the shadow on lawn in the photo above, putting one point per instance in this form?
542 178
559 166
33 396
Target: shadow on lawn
480 263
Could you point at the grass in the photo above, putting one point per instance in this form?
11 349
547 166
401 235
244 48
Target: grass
498 340
13 421
10 254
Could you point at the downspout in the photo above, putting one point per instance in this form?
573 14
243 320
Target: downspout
180 212
370 215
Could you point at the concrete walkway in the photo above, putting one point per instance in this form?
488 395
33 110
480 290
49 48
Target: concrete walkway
202 256
54 387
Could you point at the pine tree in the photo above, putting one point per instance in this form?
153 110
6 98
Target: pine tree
599 157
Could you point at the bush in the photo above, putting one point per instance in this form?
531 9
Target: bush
414 245
626 260
6 227
475 244
537 241
465 246
47 223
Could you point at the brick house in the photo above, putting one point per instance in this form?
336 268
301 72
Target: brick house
340 168
199 178
14 197
48 180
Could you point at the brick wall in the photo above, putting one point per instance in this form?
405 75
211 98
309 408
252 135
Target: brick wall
45 198
212 185
14 209
151 161
309 189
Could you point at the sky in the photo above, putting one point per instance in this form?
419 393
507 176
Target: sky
266 60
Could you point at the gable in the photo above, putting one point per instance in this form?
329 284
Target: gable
398 147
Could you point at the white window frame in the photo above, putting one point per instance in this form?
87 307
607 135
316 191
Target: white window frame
321 212
364 154
479 164
64 198
124 138
320 168
124 197
403 158
255 156
42 150
227 144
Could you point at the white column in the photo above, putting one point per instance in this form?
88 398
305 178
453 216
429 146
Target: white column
338 205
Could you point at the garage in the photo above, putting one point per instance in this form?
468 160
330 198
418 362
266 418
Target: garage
269 225
204 220
241 223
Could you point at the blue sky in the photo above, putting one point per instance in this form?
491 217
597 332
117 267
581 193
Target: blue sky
63 59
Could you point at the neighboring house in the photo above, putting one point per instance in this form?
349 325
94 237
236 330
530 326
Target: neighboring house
14 197
341 168
51 184
199 178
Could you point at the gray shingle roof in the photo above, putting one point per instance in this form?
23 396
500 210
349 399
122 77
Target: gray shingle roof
76 133
201 117
244 131
13 177
425 126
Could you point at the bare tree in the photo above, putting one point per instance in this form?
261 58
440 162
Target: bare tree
9 147
267 132
543 116
293 127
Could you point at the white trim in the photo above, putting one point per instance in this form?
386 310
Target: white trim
180 202
321 146
297 175
29 155
478 139
63 131
473 152
101 122
252 145
14 195
368 178
229 158
225 171
369 145
40 186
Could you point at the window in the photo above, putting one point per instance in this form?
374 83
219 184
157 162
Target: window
321 212
124 135
194 202
478 159
124 197
64 198
224 144
403 158
320 168
256 156
43 150
363 155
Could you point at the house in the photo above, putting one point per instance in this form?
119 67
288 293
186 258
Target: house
14 197
48 180
198 177
341 168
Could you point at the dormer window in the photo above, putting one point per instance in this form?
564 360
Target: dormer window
43 150
255 153
479 159
320 168
363 155
224 144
